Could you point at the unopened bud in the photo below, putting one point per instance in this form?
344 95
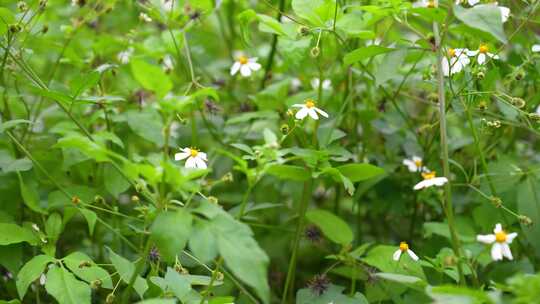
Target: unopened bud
96 284
303 30
219 275
284 129
14 28
517 102
110 298
482 105
534 116
139 188
213 200
496 201
98 199
135 199
228 177
525 220
433 97
480 75
75 200
22 6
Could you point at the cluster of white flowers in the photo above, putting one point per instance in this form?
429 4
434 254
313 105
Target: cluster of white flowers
458 58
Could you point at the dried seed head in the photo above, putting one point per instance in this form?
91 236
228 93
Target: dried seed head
518 102
319 284
313 234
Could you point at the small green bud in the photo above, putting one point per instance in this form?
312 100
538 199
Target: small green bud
517 102
110 298
284 129
22 6
496 201
98 199
213 200
315 52
14 28
480 75
482 105
96 284
135 199
303 30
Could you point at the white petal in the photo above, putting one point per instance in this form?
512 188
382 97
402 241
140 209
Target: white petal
411 165
326 84
510 237
323 113
302 113
245 70
298 105
481 58
202 155
505 249
505 13
472 53
396 255
485 238
536 48
473 2
191 163
254 66
494 56
199 163
313 114
315 83
421 185
181 155
496 252
439 181
498 228
235 67
412 255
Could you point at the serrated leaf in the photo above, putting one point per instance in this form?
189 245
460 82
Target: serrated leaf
31 272
13 234
65 288
87 273
170 232
485 17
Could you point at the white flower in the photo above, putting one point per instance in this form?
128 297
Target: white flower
309 108
35 227
195 158
144 17
471 2
538 110
430 179
167 4
167 64
483 53
42 279
455 62
404 247
326 84
245 65
296 84
415 164
424 3
124 56
535 48
500 240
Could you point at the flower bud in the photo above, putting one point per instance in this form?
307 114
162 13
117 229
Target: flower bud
96 284
110 298
496 201
315 52
303 30
482 105
75 200
98 199
135 199
213 200
22 6
517 102
480 75
284 129
228 177
525 220
139 188
14 28
534 116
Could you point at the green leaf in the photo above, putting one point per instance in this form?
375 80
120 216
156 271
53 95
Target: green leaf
85 145
177 283
170 232
147 124
30 196
158 301
334 294
91 218
116 182
528 203
332 226
12 234
365 53
6 18
54 226
381 257
83 82
242 254
360 172
87 273
430 14
485 17
31 272
202 242
125 269
318 12
12 124
151 77
457 294
65 288
410 281
289 172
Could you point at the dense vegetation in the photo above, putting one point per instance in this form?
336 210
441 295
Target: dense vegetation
272 151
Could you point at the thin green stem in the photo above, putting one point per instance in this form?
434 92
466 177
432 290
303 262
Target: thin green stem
447 202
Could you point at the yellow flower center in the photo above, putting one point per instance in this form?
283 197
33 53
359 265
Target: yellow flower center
243 59
431 4
193 152
483 48
451 52
428 175
500 237
418 163
310 103
403 246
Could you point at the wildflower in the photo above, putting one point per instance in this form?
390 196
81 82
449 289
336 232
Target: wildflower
404 247
195 158
42 279
425 3
319 284
316 82
309 108
245 65
500 240
415 164
154 255
430 179
125 56
35 227
167 4
144 17
535 48
483 53
455 62
167 63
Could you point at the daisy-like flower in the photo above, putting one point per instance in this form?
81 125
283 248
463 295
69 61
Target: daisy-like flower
326 84
195 158
500 240
404 247
455 62
125 56
415 164
309 108
424 3
245 65
430 179
483 53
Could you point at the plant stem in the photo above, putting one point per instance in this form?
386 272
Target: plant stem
272 53
447 201
138 269
302 207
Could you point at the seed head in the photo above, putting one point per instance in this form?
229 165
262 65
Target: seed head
319 284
